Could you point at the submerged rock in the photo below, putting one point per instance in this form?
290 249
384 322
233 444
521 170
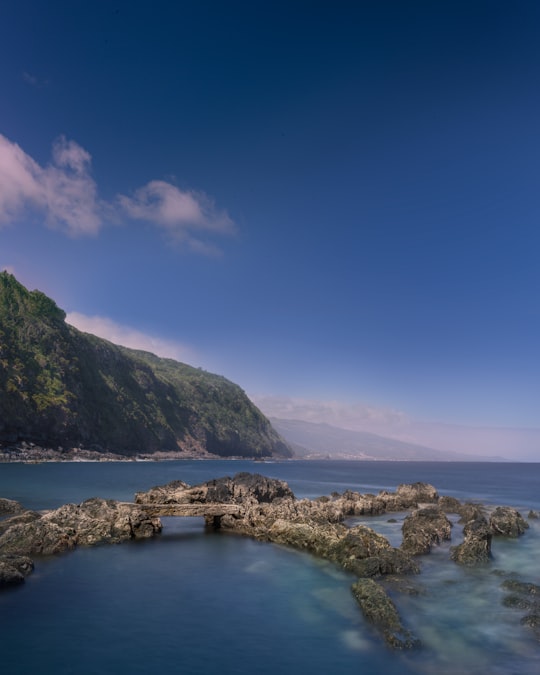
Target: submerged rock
524 596
379 609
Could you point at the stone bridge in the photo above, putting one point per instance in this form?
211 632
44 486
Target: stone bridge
212 511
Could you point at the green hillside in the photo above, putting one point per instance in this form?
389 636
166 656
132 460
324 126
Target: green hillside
59 386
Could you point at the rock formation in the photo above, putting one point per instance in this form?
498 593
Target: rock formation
266 509
95 521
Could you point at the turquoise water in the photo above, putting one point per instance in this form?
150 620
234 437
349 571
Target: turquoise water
194 602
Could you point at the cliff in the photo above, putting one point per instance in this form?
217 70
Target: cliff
62 387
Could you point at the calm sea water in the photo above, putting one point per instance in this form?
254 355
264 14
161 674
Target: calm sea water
201 603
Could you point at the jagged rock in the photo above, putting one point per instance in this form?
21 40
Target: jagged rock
243 488
424 528
39 537
356 504
522 587
408 496
13 569
508 522
9 507
533 515
9 575
21 518
450 504
476 546
389 561
381 611
92 522
471 511
171 493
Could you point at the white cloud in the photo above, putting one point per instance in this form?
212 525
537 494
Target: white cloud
65 192
19 181
130 337
176 211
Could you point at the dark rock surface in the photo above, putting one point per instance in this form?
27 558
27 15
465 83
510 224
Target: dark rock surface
507 522
9 507
94 521
476 546
378 608
425 528
525 596
14 569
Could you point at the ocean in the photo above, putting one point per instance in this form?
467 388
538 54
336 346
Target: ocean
210 603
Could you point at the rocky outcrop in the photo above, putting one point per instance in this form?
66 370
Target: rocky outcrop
266 509
9 507
14 569
95 521
507 522
425 528
381 611
409 496
476 546
245 488
467 511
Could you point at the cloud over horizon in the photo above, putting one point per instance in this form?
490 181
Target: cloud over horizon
353 416
66 194
510 443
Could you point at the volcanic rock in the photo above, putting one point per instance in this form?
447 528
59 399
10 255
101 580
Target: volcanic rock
476 546
424 528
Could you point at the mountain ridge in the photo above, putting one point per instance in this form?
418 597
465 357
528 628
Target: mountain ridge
318 440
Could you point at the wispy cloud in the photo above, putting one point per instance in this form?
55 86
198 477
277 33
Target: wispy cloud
517 444
183 215
355 416
64 191
66 194
131 337
34 81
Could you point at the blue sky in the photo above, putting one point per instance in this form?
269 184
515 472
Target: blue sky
331 203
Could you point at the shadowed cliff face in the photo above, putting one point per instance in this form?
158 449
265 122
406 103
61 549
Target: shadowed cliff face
59 386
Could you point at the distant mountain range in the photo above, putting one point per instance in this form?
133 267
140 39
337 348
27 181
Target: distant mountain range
323 441
62 387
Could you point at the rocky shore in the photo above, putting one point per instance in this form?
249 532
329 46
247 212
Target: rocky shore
266 509
31 453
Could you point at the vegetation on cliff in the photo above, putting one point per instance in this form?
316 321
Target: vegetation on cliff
59 386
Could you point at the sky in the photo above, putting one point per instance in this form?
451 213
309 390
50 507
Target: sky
333 204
